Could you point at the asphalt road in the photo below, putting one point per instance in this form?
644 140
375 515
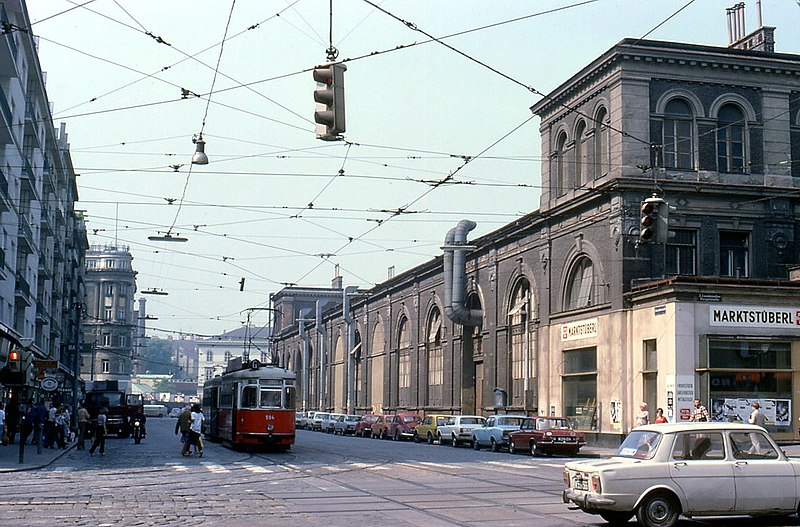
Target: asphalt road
324 480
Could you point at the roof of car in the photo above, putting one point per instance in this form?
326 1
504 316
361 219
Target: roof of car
670 428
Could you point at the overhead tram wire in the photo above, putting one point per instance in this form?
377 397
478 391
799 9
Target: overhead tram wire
76 6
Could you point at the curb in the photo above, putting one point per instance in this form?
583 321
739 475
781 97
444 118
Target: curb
37 467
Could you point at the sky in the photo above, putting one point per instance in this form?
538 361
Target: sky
439 128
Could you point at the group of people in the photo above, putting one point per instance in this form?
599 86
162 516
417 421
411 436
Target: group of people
699 414
190 425
50 425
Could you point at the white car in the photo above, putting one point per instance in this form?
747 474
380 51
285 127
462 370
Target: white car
663 471
328 422
458 429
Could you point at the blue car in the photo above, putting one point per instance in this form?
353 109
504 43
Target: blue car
494 433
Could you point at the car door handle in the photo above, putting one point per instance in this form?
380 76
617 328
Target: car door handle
741 463
680 464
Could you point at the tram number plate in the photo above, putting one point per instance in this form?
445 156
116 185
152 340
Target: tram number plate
269 417
579 483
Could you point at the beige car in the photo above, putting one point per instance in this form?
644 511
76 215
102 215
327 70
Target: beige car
663 471
427 429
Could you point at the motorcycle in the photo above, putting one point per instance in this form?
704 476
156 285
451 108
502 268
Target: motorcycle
137 431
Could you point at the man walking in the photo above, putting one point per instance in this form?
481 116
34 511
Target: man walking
700 413
184 424
83 422
100 433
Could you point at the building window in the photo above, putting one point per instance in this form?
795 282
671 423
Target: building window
123 289
106 339
602 153
123 341
121 314
650 375
523 366
108 313
209 356
105 366
109 289
91 264
678 147
682 252
435 358
581 285
561 169
730 139
209 373
579 387
580 160
404 371
404 362
227 356
246 356
265 358
751 370
110 264
734 254
121 366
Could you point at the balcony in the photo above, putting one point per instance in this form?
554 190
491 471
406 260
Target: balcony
32 121
25 233
22 290
28 176
6 125
8 48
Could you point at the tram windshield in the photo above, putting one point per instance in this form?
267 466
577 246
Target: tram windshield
254 396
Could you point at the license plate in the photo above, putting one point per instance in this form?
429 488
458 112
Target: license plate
564 440
580 484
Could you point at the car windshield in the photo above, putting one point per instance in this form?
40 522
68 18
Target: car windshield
353 418
640 445
509 421
410 418
472 421
552 424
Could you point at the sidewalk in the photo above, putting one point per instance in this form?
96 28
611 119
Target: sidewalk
9 457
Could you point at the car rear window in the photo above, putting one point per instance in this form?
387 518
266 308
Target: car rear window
472 421
510 421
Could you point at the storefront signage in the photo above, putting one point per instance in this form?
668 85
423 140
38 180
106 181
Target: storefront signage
754 317
709 297
681 390
581 329
777 411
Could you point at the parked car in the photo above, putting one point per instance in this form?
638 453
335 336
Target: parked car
305 421
379 426
546 435
458 429
426 430
693 469
155 410
299 415
329 421
364 426
346 424
175 412
401 425
494 432
315 423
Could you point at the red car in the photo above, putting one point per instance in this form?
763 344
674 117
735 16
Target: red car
364 426
401 426
546 435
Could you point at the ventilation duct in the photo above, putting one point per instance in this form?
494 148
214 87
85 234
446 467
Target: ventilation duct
455 276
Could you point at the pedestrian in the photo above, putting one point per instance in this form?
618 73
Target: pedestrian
660 416
61 421
184 424
700 413
643 417
50 426
12 419
39 417
83 422
757 417
100 433
3 425
194 432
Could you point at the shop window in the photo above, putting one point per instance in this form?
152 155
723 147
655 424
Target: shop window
731 139
579 388
581 285
734 254
678 146
743 354
682 252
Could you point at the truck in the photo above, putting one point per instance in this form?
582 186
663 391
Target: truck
122 406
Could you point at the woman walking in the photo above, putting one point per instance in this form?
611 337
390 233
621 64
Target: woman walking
195 431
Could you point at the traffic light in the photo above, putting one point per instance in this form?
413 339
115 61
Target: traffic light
649 222
14 361
329 97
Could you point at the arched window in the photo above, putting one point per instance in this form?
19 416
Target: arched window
678 148
377 354
730 139
580 154
521 345
404 362
581 285
435 358
358 373
561 147
601 152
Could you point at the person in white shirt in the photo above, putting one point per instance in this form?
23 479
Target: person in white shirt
2 421
195 432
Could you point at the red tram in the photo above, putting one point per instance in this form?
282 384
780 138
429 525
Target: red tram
251 406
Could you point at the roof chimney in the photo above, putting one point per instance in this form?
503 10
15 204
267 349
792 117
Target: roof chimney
762 39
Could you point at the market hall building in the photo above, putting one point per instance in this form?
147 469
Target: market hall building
572 310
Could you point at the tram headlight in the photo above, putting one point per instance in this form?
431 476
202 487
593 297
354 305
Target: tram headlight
270 427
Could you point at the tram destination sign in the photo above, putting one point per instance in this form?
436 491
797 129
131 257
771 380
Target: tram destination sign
754 316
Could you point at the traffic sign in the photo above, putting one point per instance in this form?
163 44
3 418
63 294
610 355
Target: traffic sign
49 384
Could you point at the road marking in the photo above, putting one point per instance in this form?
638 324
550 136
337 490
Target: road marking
553 465
216 469
509 465
178 467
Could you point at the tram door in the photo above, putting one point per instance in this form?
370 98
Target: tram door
235 410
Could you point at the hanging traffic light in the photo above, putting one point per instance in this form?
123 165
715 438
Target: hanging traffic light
329 97
650 222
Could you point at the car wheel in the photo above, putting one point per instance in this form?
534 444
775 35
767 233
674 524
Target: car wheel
416 438
383 434
535 449
658 510
396 435
495 446
455 442
439 438
512 448
475 444
430 438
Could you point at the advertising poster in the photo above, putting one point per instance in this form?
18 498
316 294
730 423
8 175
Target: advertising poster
777 411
